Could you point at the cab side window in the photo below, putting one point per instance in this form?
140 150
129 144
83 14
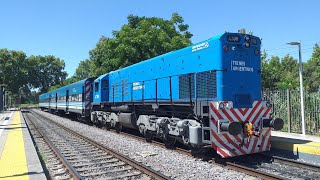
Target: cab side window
96 87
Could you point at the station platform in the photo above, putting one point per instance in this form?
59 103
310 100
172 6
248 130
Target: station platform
296 146
18 156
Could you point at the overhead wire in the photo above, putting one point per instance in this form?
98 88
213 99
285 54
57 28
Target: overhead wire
290 47
307 47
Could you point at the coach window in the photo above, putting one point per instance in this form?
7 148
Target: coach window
96 87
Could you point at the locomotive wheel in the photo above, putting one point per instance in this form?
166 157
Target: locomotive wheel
148 136
108 126
169 141
196 151
89 122
118 127
79 117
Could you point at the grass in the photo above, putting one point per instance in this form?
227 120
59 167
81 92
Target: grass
28 105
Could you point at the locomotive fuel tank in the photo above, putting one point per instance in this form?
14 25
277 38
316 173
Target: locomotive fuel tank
128 120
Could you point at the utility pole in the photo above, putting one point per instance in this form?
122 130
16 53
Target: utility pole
303 127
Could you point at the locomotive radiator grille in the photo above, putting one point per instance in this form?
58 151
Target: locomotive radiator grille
205 85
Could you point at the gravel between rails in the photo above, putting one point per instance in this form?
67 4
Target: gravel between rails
52 163
168 162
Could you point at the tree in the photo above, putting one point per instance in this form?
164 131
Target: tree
83 70
311 71
142 38
23 75
13 69
280 74
289 73
46 71
270 72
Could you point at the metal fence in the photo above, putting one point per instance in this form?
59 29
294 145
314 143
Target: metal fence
286 105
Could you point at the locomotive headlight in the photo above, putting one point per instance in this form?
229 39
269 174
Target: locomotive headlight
225 48
247 44
247 38
222 105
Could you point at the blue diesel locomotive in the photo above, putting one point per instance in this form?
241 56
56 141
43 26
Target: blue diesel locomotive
207 94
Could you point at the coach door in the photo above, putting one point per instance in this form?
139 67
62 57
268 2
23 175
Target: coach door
56 101
67 102
49 102
83 102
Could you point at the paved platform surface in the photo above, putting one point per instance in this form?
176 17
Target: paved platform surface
297 146
18 157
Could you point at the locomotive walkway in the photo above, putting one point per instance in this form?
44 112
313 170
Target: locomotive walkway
18 157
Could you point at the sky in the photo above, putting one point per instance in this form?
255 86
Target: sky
69 29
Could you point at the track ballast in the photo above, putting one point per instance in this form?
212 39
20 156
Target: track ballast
89 159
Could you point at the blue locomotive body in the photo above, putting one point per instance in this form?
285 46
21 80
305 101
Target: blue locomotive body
205 94
213 69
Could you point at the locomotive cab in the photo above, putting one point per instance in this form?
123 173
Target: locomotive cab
241 70
239 104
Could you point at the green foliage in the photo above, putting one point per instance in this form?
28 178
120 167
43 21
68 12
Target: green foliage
311 71
45 72
22 75
142 38
284 73
270 72
13 71
289 74
280 74
83 70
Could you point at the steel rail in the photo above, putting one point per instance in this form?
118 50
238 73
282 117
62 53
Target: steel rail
230 165
73 172
309 166
252 172
129 161
157 143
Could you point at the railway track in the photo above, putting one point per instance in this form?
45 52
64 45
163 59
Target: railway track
221 162
299 164
83 158
237 166
234 165
274 167
252 171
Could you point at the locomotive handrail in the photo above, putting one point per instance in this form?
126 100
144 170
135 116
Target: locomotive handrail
214 70
130 85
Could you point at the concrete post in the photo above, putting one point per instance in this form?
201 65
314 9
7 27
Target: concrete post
1 98
289 110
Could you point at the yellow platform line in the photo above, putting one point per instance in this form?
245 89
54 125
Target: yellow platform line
13 162
308 148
